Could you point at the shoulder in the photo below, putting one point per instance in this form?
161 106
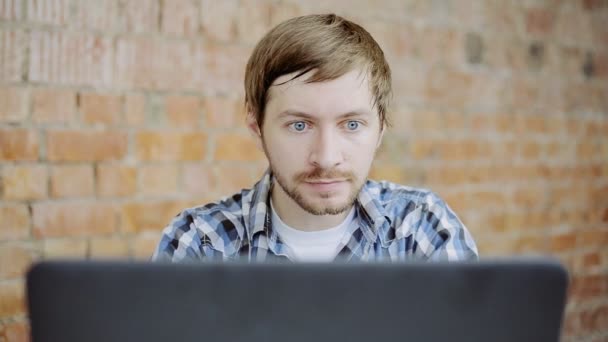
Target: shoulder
426 218
216 226
392 195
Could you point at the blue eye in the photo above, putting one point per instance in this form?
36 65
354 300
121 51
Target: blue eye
299 126
352 125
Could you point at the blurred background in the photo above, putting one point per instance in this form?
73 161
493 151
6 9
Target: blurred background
117 114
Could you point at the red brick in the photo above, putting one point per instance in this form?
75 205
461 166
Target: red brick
109 247
116 180
24 182
15 331
180 17
55 12
569 60
13 298
11 10
584 288
222 112
71 58
73 219
593 238
496 247
15 258
141 16
12 54
423 149
144 245
153 216
67 145
457 201
529 244
428 121
595 320
479 199
72 181
463 150
282 11
591 259
586 150
14 221
529 197
539 21
591 5
135 110
183 111
572 25
170 146
232 179
391 145
252 20
504 123
563 242
411 80
18 144
504 53
570 326
65 248
440 45
102 15
198 179
600 63
218 20
392 173
13 105
224 65
157 179
151 63
101 108
236 147
53 105
531 150
447 176
448 88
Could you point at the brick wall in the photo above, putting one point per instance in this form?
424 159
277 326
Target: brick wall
116 114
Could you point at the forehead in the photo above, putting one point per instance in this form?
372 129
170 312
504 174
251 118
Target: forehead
347 93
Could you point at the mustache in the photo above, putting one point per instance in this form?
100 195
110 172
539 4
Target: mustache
319 173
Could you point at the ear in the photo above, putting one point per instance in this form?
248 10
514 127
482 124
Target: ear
254 128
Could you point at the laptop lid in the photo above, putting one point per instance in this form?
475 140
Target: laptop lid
125 301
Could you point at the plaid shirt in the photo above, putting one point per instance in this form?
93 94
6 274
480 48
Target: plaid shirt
392 222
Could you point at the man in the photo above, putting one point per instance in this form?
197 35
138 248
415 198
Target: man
317 91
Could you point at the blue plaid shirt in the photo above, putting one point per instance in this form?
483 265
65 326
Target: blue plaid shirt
392 223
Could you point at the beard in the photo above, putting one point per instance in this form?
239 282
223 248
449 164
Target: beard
314 207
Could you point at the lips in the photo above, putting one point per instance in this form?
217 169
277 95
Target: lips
326 185
325 181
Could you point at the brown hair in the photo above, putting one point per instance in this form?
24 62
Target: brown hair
328 44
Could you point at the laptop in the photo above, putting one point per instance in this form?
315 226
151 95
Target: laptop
513 300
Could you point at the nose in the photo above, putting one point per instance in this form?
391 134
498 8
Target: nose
325 152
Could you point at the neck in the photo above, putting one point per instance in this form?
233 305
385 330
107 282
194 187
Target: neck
294 216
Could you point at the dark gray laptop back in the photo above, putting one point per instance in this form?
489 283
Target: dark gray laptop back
114 301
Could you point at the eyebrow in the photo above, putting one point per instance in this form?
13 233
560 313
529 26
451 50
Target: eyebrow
299 114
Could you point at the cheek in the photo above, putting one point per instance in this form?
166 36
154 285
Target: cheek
287 153
362 148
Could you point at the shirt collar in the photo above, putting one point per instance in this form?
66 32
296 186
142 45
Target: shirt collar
259 207
372 213
369 209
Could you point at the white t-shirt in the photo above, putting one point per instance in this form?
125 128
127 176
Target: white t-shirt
317 246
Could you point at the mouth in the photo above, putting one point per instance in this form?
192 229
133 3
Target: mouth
325 185
325 181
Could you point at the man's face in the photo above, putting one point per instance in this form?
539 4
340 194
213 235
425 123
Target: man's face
320 140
